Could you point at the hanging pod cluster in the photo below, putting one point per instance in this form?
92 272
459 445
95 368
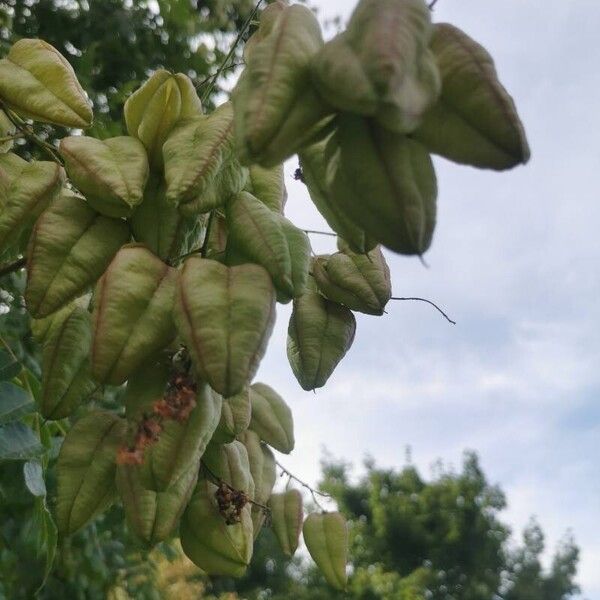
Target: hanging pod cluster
155 260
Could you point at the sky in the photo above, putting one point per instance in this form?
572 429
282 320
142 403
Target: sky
515 262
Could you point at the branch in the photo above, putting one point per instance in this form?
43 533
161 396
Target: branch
12 267
312 490
428 302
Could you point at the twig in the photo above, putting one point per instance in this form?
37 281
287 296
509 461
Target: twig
428 302
178 259
8 138
204 81
312 490
314 231
12 267
223 65
432 4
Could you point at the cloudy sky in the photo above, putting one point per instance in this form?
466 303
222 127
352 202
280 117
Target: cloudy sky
515 262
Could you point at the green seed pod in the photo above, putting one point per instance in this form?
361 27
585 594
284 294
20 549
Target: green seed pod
268 185
326 538
86 469
268 18
269 239
319 335
229 462
37 82
235 417
181 444
206 539
271 418
395 82
225 316
359 281
70 247
200 169
475 121
132 314
160 226
66 376
145 386
110 173
155 108
385 182
277 110
286 519
315 164
153 516
7 128
26 191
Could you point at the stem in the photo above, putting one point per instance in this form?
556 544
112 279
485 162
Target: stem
312 490
223 65
329 233
12 267
428 302
432 4
8 138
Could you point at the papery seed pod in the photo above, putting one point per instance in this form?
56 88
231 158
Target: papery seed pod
229 462
475 121
286 519
146 386
269 239
386 183
70 247
235 417
155 108
110 173
393 82
320 333
268 18
271 418
277 111
26 190
208 541
160 226
182 442
268 186
7 128
153 516
326 538
315 163
37 82
86 469
225 316
359 281
132 314
201 171
66 375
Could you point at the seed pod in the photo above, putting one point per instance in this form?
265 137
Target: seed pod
225 316
132 314
7 128
385 182
111 173
160 226
395 83
271 418
235 417
229 462
269 239
268 186
181 443
315 164
277 111
66 376
326 538
286 519
153 516
208 541
268 18
86 469
200 169
217 237
37 82
264 474
359 281
27 189
155 108
146 386
475 121
70 247
319 335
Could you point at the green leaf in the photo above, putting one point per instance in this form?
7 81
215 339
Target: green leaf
34 478
14 402
9 366
18 442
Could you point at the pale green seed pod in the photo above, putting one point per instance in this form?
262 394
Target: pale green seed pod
286 519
